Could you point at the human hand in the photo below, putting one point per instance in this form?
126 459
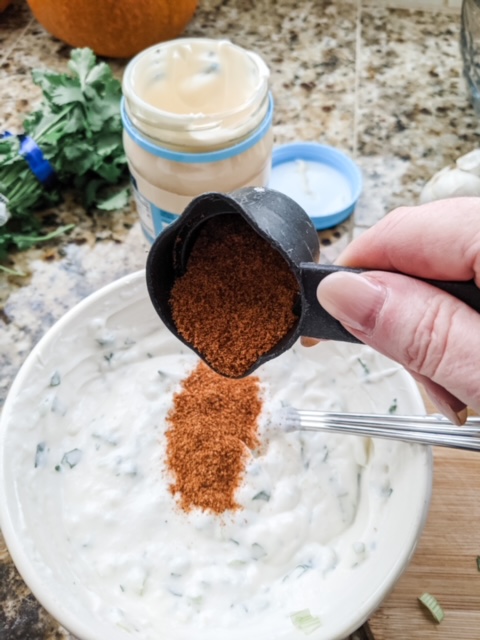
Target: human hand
432 334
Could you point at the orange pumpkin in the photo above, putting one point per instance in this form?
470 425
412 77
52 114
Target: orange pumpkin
113 28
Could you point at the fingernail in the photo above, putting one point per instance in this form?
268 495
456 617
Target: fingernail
308 342
355 300
456 417
462 416
455 411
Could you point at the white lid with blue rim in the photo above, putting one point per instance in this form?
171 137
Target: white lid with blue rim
324 181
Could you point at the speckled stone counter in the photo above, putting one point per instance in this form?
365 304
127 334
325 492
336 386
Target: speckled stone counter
382 84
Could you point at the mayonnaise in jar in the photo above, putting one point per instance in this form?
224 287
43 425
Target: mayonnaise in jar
197 117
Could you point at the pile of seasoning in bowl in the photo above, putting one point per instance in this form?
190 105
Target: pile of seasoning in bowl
213 426
106 516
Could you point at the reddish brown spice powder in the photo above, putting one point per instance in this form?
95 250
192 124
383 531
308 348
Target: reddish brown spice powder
213 425
235 301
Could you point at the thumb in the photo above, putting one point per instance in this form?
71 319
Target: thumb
426 330
451 407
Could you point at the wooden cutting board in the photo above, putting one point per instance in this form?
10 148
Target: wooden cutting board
445 563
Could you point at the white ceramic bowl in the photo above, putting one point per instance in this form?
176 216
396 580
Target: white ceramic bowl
55 383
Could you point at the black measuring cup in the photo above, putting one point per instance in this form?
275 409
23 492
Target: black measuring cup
285 226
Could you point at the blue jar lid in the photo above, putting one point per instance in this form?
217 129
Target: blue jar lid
324 181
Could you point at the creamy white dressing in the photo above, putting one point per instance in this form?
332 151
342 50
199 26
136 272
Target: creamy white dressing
196 93
88 458
200 77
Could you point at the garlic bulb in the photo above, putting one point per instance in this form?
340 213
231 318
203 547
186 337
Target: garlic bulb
460 179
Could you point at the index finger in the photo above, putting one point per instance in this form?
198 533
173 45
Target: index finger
439 240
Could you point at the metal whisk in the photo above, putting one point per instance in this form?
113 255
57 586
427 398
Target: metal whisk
432 430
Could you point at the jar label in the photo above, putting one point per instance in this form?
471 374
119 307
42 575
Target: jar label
144 211
152 218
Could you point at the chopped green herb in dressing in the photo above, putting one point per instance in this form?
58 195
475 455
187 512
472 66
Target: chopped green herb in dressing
262 495
393 407
72 458
55 379
41 454
304 621
365 367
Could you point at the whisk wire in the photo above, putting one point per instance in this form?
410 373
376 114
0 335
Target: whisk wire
430 430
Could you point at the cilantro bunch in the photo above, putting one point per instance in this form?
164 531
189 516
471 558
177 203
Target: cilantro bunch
78 129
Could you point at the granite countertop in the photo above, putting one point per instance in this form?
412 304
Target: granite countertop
382 84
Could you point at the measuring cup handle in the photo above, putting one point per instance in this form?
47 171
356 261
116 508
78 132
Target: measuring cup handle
317 323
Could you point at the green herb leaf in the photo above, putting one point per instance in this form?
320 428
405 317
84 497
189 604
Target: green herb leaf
433 606
116 201
82 61
25 242
478 563
11 272
79 130
304 621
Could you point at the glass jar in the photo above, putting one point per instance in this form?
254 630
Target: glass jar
470 48
197 116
